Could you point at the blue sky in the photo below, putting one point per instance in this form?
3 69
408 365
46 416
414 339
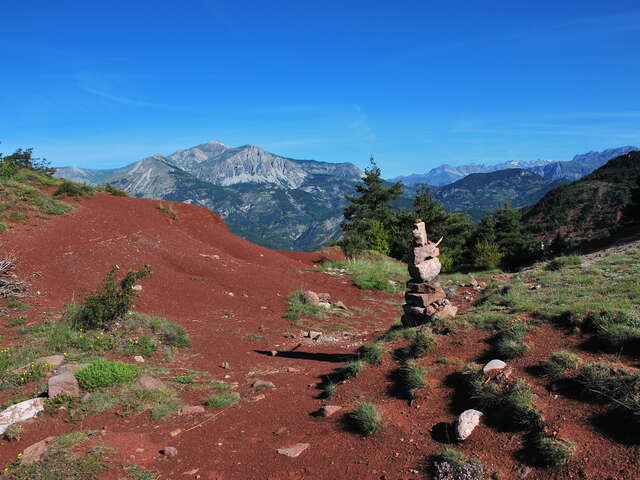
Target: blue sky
416 83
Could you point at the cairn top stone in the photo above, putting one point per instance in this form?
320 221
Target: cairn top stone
420 234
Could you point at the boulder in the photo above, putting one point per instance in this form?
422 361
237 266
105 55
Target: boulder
54 360
294 450
425 271
20 412
446 312
148 382
65 382
420 254
310 297
466 423
493 366
36 452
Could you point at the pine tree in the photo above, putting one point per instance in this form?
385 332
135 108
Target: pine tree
632 210
371 203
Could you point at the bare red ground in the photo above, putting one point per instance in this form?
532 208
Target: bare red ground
197 264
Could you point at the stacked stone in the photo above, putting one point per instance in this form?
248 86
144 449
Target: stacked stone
425 299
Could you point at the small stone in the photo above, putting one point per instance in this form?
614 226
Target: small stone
313 335
257 398
340 305
493 365
262 385
310 297
193 471
446 312
467 422
326 305
64 382
137 288
139 450
169 451
231 294
191 410
294 450
148 382
54 360
225 365
293 370
324 297
176 432
139 358
273 353
328 410
36 452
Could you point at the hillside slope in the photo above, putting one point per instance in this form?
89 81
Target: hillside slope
588 206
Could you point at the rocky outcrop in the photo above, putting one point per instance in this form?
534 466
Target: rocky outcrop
20 412
425 299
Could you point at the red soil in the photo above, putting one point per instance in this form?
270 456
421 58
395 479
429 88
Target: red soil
196 264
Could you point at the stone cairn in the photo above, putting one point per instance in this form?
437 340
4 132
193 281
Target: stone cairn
425 299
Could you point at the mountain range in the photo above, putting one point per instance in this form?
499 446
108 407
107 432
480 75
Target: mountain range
579 166
283 203
276 201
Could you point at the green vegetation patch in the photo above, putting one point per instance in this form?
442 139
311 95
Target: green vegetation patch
365 418
106 373
373 271
222 400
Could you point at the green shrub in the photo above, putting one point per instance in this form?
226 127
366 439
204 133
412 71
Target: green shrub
350 369
109 304
222 400
487 255
551 452
365 418
559 263
422 342
53 405
105 373
111 190
509 342
167 209
558 363
67 188
411 378
372 353
453 465
329 389
297 307
143 345
169 333
184 379
159 401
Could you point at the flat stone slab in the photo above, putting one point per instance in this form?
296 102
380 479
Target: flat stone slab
328 410
64 382
20 412
36 452
294 450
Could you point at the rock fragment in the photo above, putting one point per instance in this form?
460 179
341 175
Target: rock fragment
294 450
63 383
466 423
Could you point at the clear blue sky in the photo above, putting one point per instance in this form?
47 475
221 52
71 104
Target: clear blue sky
416 83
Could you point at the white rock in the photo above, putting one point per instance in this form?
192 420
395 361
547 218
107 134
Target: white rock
139 358
326 305
20 412
494 365
467 422
137 288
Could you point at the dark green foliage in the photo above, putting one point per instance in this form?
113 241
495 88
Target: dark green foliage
550 452
109 304
365 418
368 215
67 188
512 403
504 229
411 378
509 342
23 159
349 370
421 343
632 209
559 263
559 363
372 353
105 373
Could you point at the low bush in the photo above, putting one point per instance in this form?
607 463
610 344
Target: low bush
159 401
453 465
509 341
349 370
365 418
109 304
67 188
558 363
222 400
411 378
105 373
298 308
143 345
550 452
561 262
422 342
372 353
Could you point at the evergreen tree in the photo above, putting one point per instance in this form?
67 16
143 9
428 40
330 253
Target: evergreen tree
503 228
632 210
368 206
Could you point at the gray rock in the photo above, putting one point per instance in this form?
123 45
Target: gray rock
262 385
466 423
328 410
425 271
294 450
65 382
169 451
36 452
310 297
326 305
